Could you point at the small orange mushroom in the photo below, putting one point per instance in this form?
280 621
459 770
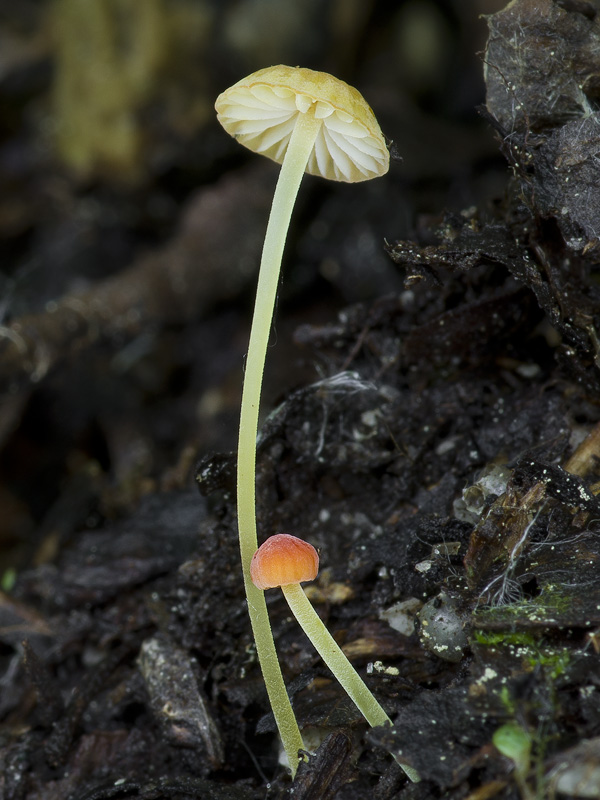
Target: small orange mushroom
283 559
286 561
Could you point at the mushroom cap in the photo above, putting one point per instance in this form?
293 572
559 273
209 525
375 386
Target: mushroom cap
260 112
283 559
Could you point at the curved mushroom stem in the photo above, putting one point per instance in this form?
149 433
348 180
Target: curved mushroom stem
294 164
332 655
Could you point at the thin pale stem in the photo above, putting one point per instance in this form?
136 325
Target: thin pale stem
337 662
292 170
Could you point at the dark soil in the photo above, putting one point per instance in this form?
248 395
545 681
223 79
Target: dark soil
432 425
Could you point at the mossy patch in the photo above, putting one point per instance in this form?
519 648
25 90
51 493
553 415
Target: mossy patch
547 610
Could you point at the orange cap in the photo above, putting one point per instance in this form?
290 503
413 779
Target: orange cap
283 559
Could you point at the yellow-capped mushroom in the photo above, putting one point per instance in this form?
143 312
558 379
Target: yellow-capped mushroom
309 122
261 112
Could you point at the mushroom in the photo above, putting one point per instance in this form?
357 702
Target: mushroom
309 122
287 561
283 560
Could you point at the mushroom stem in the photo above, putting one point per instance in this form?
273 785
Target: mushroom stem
332 655
293 167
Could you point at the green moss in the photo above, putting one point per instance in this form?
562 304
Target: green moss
500 638
553 662
527 645
528 649
545 608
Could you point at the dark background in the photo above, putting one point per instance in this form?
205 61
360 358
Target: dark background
434 373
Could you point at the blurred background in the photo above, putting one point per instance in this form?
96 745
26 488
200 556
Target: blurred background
131 226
